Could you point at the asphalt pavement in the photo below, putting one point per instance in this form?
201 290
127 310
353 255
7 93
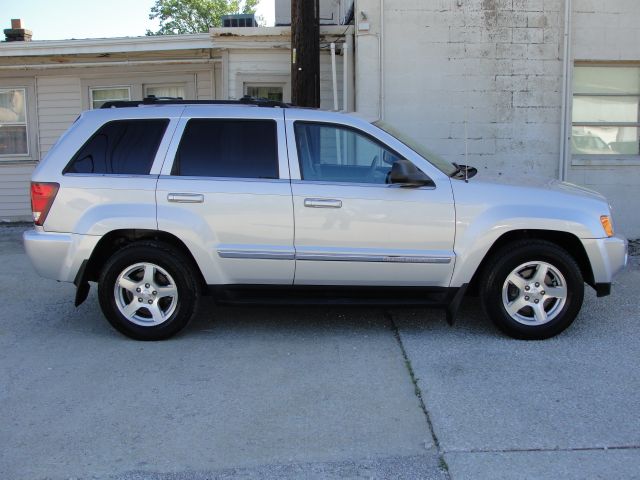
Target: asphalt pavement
312 392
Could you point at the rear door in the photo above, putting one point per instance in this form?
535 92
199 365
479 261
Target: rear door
224 190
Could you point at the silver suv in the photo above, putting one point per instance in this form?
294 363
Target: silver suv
162 202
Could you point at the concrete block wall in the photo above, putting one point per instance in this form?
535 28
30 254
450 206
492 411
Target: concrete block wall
488 71
480 81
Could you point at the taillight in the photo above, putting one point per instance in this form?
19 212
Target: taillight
42 197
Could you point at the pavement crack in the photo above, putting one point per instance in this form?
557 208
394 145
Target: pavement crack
418 392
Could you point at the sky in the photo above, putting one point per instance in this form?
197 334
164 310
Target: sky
61 19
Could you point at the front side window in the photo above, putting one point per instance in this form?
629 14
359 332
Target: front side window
228 148
101 95
13 122
606 111
122 147
332 153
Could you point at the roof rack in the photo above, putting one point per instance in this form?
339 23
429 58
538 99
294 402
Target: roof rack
153 100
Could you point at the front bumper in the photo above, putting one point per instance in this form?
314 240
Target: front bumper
58 255
607 256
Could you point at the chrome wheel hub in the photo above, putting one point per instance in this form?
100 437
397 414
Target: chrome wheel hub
146 294
534 293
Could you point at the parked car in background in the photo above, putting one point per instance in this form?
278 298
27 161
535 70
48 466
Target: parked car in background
160 202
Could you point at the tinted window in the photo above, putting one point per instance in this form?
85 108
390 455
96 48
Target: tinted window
228 148
332 153
122 147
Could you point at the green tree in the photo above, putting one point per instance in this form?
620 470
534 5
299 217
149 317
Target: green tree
195 16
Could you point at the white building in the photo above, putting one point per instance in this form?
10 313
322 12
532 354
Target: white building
45 85
513 87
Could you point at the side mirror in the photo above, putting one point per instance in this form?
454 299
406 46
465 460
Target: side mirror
406 174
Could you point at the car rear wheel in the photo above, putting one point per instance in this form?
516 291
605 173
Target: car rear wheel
532 289
148 291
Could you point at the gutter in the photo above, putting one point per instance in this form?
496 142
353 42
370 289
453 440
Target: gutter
50 66
567 89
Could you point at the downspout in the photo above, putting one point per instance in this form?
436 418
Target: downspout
567 74
345 74
334 77
381 57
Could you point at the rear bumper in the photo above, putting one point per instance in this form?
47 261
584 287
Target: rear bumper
58 255
607 256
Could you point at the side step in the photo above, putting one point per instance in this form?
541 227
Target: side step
322 295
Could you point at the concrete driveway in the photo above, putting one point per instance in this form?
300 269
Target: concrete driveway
312 393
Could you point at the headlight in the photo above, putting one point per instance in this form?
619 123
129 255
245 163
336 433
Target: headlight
607 224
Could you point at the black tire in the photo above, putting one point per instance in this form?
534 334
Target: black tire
495 290
179 270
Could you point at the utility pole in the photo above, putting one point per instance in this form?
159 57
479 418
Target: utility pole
305 53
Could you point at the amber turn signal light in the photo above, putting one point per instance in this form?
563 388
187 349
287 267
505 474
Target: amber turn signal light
607 225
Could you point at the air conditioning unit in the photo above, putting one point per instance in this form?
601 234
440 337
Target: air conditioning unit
239 20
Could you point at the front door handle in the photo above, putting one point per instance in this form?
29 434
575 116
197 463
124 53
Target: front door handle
322 203
185 197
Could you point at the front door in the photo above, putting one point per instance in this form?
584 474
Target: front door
354 228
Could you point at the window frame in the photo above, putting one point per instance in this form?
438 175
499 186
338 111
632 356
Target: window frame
582 159
20 124
31 121
182 131
106 87
248 85
164 85
262 79
357 131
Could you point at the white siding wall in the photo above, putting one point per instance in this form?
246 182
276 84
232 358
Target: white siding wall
59 104
14 192
205 85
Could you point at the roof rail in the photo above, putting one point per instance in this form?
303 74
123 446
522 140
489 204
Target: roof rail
153 100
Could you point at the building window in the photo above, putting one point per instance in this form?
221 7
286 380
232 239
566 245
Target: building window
13 122
269 91
172 91
606 111
101 95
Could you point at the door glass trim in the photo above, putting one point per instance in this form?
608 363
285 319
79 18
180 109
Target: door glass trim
366 185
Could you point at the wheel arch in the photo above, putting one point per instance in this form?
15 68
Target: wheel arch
565 240
117 239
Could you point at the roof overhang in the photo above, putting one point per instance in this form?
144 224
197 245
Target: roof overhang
269 37
150 43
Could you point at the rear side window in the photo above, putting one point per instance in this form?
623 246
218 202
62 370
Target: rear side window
120 147
228 148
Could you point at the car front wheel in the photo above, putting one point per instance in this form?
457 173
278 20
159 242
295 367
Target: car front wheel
532 289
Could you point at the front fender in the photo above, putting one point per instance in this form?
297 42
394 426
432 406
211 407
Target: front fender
476 232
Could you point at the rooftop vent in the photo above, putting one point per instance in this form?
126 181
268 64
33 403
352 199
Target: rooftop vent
240 20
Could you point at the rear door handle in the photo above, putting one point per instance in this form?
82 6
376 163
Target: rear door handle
185 197
322 203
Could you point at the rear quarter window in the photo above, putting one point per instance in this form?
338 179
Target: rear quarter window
120 147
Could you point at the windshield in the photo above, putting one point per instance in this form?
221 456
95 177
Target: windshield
441 164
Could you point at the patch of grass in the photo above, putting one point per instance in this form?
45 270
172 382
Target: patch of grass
442 464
